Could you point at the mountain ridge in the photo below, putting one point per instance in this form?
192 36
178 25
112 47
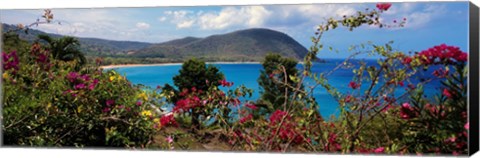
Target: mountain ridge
241 45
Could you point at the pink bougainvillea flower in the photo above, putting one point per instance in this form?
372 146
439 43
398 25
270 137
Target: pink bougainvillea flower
110 102
440 73
277 116
168 120
348 99
72 76
405 111
407 60
441 54
467 126
246 118
353 85
447 93
224 83
106 109
169 139
251 106
383 6
379 150
80 86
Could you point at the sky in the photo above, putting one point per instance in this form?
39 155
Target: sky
428 23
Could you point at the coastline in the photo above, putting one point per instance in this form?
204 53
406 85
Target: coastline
167 64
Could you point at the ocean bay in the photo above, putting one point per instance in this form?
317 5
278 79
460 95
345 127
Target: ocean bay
247 74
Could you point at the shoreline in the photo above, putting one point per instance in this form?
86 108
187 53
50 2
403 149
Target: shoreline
167 64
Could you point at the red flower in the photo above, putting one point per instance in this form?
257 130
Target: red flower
138 103
106 109
348 99
246 118
80 86
353 85
379 150
406 111
277 116
72 76
383 6
407 60
441 54
447 93
251 106
110 102
168 120
224 83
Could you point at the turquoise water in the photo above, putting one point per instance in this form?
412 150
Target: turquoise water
247 74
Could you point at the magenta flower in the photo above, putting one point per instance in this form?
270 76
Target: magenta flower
353 85
169 139
379 150
405 111
447 93
80 86
467 126
246 118
10 61
42 58
407 60
383 6
110 102
72 76
85 77
251 106
348 99
106 109
224 83
139 103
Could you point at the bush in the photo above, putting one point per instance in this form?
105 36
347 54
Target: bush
46 102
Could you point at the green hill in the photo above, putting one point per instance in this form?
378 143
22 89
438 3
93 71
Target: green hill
243 45
91 46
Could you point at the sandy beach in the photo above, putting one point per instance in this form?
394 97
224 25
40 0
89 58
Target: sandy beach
167 64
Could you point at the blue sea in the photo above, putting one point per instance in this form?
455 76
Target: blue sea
247 74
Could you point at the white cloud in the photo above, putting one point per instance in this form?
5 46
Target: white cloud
143 25
415 19
185 24
162 19
249 16
257 16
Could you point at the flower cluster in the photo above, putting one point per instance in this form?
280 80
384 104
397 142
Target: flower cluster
82 81
246 118
41 56
225 83
440 73
286 130
407 111
333 145
383 6
441 54
10 61
251 106
447 93
353 85
186 104
168 120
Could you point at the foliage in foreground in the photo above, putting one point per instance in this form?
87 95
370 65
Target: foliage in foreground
384 111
